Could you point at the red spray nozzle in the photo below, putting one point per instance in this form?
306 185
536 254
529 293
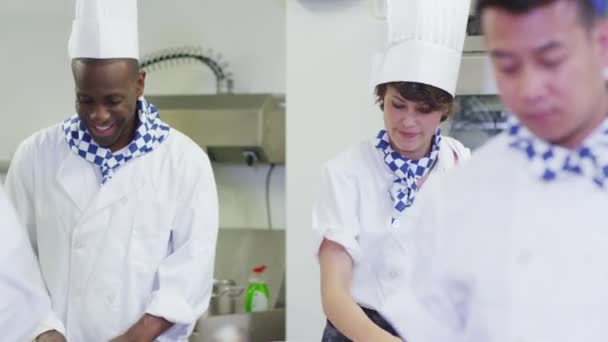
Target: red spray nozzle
259 269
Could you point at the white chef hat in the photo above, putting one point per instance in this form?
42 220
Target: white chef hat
105 29
425 41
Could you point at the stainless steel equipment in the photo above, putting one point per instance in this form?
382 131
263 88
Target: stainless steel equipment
237 251
224 297
479 114
262 326
475 69
232 128
477 119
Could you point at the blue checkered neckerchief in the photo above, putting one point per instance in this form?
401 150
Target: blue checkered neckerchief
407 172
150 133
550 162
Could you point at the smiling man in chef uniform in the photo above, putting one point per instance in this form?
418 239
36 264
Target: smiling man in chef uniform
516 247
120 208
23 300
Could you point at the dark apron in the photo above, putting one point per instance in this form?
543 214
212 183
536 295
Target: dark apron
331 334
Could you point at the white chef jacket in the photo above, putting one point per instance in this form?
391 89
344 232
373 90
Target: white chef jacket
142 243
496 255
354 209
23 299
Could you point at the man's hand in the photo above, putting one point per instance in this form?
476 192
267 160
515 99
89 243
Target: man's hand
51 336
146 329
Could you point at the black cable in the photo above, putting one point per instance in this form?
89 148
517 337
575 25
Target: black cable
268 212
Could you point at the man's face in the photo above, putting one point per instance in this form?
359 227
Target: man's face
549 69
106 100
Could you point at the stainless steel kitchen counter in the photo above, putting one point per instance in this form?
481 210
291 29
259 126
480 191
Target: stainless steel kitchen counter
263 326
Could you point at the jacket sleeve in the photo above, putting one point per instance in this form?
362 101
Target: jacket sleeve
185 277
20 191
335 214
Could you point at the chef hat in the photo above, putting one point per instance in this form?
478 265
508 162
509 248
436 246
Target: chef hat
425 41
104 29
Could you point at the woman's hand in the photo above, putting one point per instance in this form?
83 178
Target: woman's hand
338 304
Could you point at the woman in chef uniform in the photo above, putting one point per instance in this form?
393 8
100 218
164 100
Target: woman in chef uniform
367 191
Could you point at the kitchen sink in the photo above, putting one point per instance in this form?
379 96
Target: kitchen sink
265 326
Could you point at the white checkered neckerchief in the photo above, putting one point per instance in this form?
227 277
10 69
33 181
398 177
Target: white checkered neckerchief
550 162
150 133
407 172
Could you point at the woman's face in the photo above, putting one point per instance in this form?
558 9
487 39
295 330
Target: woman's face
410 125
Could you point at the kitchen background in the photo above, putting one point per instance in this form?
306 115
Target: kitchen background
249 36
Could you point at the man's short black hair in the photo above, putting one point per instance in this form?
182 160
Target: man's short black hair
589 10
131 62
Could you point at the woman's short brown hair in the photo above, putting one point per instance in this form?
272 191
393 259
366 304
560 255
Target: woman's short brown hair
435 98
